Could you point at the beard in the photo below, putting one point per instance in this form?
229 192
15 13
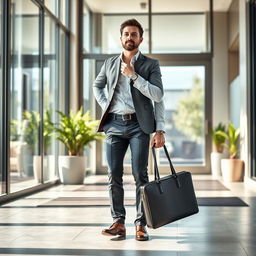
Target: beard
130 45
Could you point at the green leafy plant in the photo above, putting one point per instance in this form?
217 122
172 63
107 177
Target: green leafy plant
49 130
76 130
30 129
218 139
232 136
190 112
14 130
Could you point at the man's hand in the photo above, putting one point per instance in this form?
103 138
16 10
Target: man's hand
158 139
127 69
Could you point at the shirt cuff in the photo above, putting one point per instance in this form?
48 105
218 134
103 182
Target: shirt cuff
160 126
140 83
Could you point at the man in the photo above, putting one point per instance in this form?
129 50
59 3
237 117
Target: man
133 82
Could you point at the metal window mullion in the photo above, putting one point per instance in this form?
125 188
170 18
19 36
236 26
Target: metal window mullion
2 149
67 59
150 26
6 93
211 27
41 89
252 43
3 185
254 89
80 54
67 72
251 39
57 66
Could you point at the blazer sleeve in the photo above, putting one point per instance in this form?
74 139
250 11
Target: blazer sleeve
153 88
159 115
99 86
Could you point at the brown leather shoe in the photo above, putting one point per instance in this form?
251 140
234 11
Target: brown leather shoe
116 229
141 233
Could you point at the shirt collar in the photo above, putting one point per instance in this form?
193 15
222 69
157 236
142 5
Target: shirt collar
134 58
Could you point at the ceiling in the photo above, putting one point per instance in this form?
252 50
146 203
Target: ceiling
134 6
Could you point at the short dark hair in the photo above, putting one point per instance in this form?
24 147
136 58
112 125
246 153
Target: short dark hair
131 22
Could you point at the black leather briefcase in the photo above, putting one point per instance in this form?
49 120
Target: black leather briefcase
169 198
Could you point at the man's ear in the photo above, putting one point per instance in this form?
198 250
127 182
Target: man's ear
141 40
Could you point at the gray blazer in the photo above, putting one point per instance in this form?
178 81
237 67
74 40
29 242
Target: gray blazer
148 101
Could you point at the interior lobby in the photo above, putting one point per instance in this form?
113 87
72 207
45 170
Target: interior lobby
51 51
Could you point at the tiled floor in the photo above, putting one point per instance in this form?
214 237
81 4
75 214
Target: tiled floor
26 229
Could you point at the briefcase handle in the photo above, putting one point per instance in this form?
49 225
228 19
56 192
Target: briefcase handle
156 171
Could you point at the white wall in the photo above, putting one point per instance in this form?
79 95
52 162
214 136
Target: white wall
220 95
244 68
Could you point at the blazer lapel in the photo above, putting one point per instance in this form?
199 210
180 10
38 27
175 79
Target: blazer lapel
139 62
115 71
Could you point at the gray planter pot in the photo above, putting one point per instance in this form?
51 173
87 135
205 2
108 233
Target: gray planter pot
72 169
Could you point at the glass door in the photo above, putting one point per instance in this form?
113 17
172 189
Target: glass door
187 113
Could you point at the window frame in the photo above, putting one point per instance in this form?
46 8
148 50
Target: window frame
5 88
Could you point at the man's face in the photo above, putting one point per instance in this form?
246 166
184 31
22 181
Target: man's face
130 38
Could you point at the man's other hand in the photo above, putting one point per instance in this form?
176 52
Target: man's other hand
158 139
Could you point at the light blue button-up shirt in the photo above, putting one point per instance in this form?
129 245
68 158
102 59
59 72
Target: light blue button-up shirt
122 102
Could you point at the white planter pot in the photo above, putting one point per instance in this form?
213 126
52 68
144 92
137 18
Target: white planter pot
72 169
216 163
232 169
48 165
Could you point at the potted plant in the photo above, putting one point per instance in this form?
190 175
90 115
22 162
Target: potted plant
217 154
232 168
75 131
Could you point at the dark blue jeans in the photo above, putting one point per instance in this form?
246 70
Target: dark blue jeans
121 134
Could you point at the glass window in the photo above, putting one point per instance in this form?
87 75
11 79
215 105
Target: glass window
24 91
62 69
179 29
111 32
184 98
62 93
88 80
51 98
86 30
87 100
52 5
184 33
105 17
